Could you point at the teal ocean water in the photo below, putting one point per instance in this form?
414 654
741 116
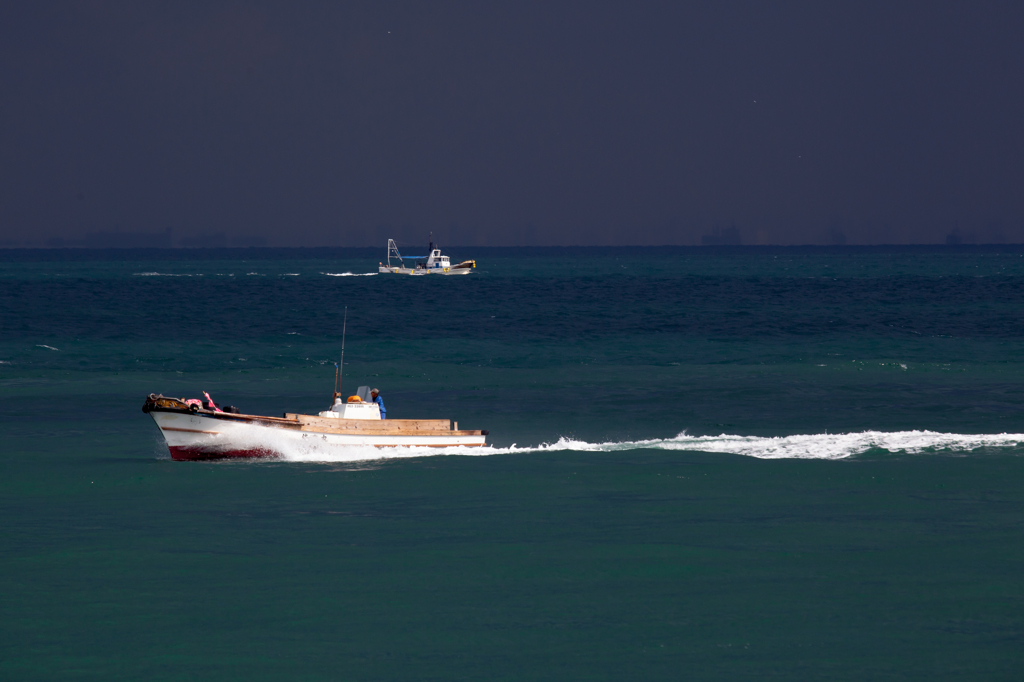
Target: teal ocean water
706 463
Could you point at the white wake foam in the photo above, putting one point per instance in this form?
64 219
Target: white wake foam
815 446
160 274
350 274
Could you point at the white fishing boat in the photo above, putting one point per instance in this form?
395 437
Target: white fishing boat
195 430
434 263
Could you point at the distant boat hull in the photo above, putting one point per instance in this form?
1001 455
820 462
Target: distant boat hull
197 434
460 269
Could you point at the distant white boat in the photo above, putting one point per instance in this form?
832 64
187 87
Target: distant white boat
432 264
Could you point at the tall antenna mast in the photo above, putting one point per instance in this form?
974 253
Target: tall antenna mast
339 369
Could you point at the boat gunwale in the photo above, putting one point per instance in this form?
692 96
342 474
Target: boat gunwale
294 423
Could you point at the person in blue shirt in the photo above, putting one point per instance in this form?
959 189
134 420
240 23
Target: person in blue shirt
375 397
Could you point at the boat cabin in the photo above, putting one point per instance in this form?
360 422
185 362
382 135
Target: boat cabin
358 406
436 260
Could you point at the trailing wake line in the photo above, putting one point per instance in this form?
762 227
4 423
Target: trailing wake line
813 446
349 274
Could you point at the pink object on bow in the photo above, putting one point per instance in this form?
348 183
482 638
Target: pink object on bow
213 405
194 401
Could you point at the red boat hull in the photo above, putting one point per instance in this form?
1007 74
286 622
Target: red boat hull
183 454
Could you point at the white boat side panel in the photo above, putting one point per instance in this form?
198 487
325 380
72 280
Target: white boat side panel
204 433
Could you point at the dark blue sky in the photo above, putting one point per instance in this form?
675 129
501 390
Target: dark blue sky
521 123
